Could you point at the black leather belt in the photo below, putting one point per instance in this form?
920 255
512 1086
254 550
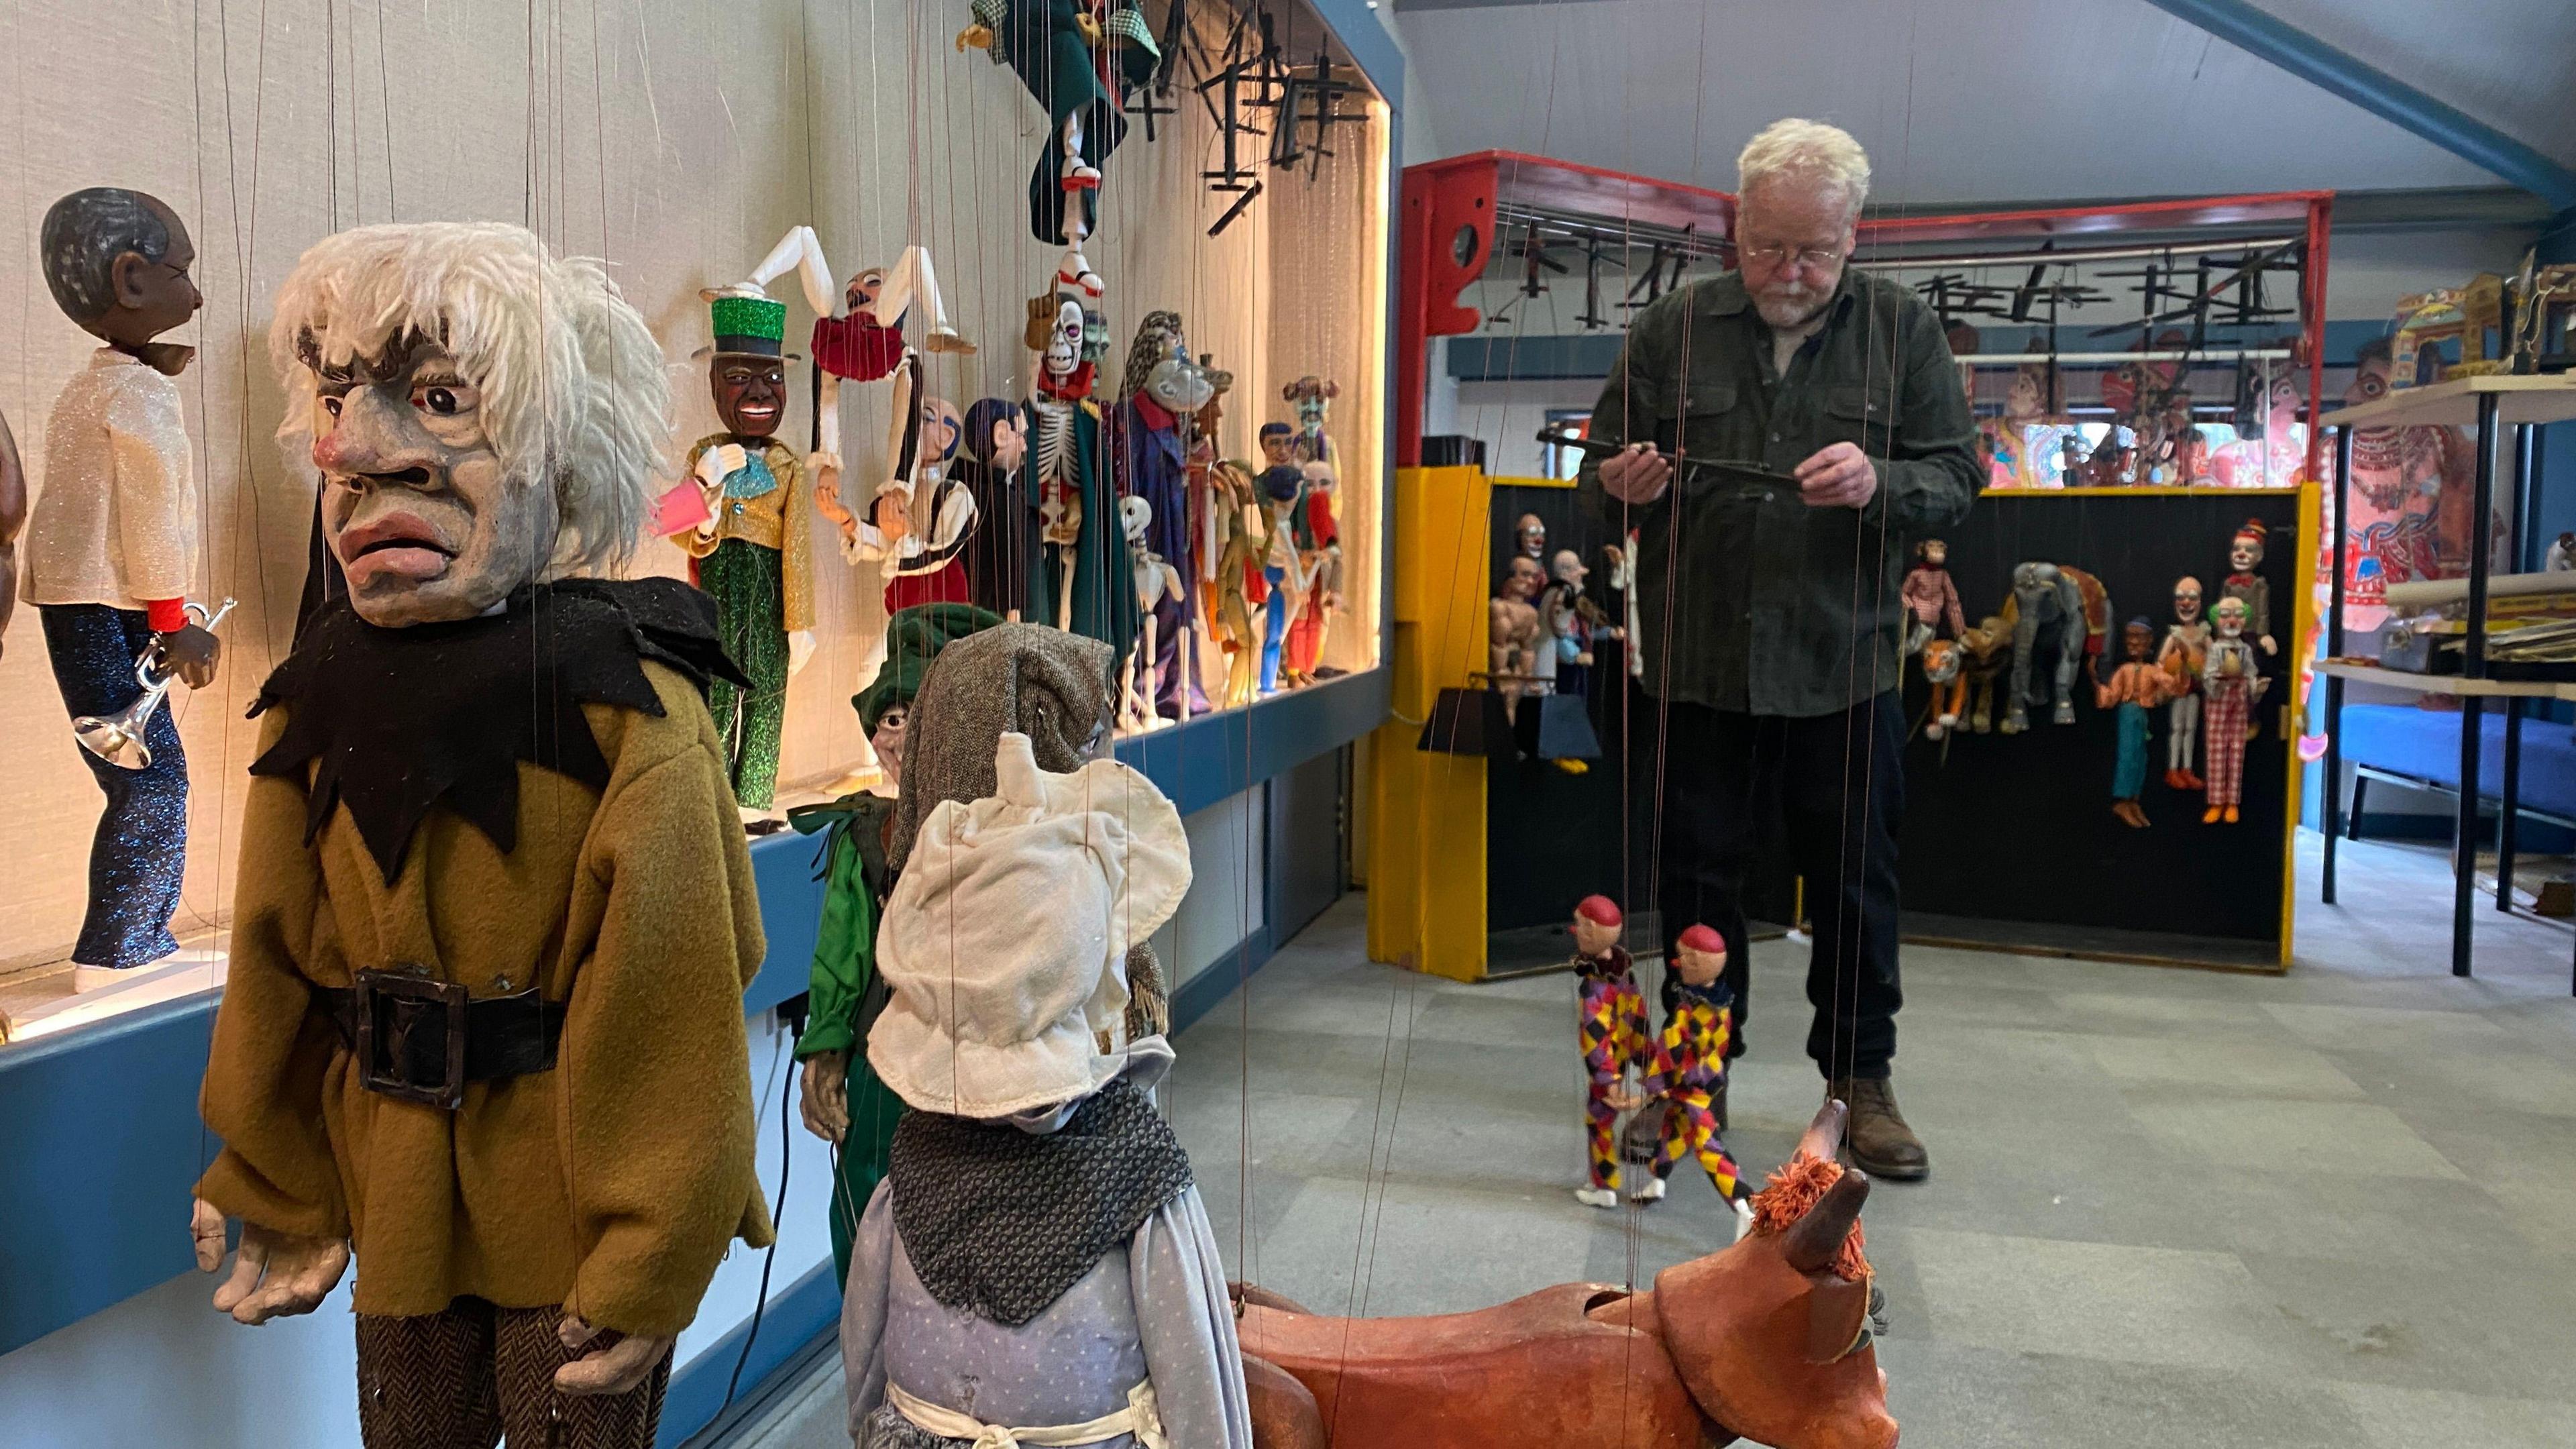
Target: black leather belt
422 1040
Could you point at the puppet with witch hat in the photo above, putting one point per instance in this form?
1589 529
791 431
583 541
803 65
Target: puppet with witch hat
741 518
495 914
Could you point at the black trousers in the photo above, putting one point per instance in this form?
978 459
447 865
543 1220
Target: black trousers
1834 788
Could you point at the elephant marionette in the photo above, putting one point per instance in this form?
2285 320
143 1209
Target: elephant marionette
2072 603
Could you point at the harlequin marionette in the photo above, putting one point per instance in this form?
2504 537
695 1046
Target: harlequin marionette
2229 678
2181 657
1688 1072
1037 1267
1079 59
1003 547
1610 1027
1082 572
111 551
2244 556
1281 488
1930 597
489 799
843 1102
748 537
918 525
2137 686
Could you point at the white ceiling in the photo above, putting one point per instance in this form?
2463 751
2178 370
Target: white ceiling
1982 100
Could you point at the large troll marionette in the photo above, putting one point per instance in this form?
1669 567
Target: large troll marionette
494 915
1079 59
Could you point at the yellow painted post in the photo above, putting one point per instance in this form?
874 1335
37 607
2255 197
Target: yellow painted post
1427 811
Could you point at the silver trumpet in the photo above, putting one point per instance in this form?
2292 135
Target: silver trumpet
118 738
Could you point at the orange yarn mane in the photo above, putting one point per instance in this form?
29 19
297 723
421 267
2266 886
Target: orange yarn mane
1797 1186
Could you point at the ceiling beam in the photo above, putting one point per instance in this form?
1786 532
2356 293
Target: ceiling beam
2383 95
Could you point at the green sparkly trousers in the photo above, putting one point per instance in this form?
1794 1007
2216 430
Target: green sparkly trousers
751 604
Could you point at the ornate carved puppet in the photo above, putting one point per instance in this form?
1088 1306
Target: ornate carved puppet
843 1102
1930 598
2271 450
1686 1071
489 801
2402 482
1037 1266
1078 59
2066 608
1610 1030
1771 1340
2025 443
2137 686
748 537
2244 557
1232 580
2182 655
1281 489
111 551
2229 677
1513 628
1082 574
1003 548
917 527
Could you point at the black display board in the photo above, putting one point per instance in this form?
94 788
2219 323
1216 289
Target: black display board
2010 840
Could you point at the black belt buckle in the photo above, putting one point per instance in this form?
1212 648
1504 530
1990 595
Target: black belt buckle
392 1009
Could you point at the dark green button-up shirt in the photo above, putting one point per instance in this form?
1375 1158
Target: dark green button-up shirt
1748 599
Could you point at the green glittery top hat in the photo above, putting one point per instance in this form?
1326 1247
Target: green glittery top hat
745 323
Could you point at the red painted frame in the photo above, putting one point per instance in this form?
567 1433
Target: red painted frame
1453 202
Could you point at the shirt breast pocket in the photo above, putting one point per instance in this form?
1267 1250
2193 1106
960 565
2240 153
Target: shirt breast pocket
1861 416
1709 421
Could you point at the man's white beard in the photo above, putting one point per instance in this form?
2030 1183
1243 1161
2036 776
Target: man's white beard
1792 309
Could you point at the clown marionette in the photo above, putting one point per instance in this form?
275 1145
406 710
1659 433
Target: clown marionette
495 916
742 518
2229 678
1687 1073
1079 59
2181 657
1610 1029
2244 556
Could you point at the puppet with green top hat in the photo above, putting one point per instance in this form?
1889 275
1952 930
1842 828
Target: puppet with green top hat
741 517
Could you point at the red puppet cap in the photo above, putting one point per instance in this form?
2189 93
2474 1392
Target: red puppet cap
1701 938
1600 910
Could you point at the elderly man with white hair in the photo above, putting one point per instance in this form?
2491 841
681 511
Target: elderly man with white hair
1770 583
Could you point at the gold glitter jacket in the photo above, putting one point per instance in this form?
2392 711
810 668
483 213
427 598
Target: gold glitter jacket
116 522
776 520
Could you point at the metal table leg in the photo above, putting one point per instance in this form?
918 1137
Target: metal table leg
2473 666
2512 800
2331 816
2464 837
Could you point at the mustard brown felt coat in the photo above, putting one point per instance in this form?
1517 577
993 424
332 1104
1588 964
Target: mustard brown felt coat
395 827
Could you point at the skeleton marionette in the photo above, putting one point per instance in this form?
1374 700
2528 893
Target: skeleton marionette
1083 576
2244 556
1162 655
1153 430
918 524
111 553
1037 1267
484 1022
2229 677
2182 656
1079 59
741 518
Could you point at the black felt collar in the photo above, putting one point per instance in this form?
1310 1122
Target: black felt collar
394 721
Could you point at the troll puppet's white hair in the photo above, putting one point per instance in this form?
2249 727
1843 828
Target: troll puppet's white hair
574 388
1795 150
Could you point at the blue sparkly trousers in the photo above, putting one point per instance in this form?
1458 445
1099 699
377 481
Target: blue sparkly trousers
141 849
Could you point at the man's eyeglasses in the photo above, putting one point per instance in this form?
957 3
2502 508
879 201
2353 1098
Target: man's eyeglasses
1814 259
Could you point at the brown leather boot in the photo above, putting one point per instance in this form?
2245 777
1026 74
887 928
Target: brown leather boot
1879 1142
